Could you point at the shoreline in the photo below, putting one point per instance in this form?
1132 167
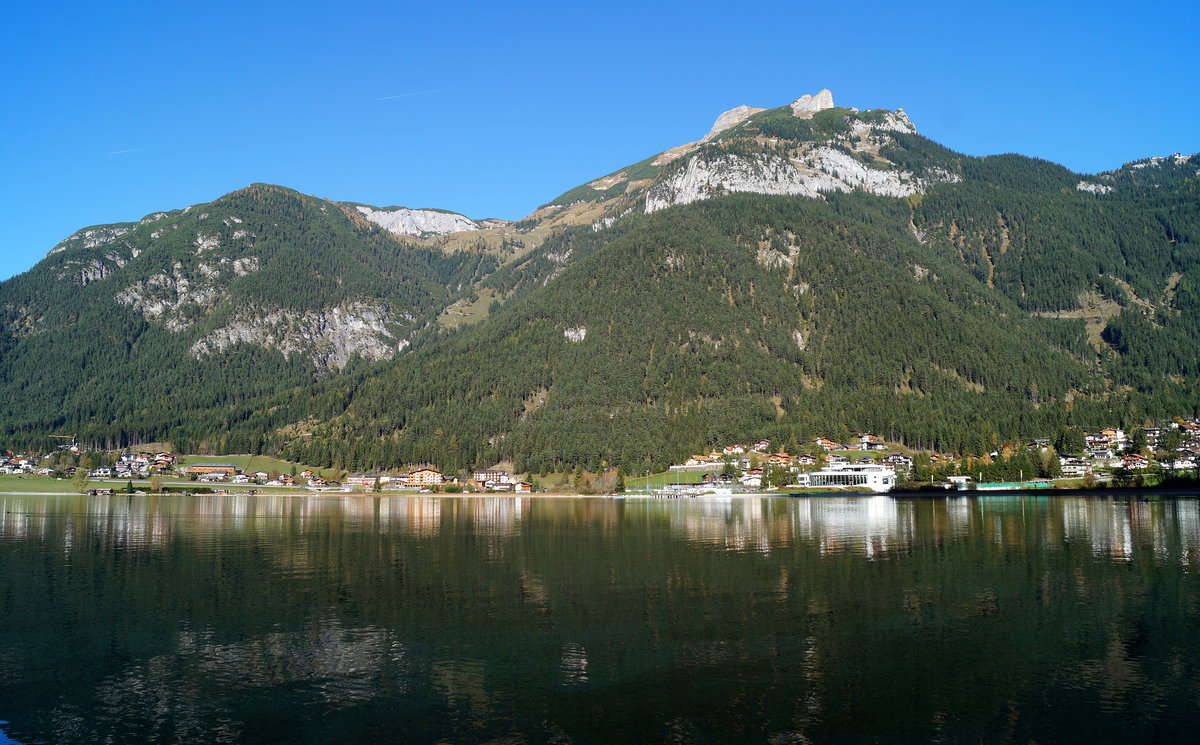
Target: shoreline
916 494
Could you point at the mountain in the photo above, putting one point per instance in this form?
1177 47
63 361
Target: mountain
802 270
126 330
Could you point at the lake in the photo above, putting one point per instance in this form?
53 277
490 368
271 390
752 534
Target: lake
360 619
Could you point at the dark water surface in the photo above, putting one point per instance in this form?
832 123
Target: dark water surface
515 620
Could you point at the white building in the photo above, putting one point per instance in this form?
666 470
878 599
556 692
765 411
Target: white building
875 478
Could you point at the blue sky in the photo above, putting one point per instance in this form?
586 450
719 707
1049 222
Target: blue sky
115 110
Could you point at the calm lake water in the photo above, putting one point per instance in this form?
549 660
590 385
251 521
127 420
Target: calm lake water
516 620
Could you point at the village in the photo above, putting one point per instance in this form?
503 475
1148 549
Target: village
869 463
865 463
73 462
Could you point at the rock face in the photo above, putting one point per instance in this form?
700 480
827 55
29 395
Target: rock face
729 119
846 162
822 169
404 221
179 299
328 337
805 106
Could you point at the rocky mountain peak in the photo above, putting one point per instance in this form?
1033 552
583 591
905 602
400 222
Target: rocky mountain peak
730 119
805 106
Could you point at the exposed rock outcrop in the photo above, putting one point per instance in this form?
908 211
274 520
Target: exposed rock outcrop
329 337
91 238
729 119
846 162
822 169
805 106
404 221
178 299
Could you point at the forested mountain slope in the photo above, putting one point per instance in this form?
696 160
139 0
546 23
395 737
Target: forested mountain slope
133 331
738 317
801 270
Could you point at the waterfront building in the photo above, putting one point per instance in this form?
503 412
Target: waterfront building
424 477
205 468
875 478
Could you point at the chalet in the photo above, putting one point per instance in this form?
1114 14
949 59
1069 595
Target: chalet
308 474
101 473
779 459
734 449
1189 427
1109 438
762 446
1074 467
200 469
286 479
806 460
825 443
1135 462
242 478
1039 443
837 460
212 476
424 477
262 475
898 460
868 441
753 478
523 487
316 481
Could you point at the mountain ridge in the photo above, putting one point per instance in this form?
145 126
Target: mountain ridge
467 346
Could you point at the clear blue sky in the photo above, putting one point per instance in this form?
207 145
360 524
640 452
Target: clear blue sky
115 110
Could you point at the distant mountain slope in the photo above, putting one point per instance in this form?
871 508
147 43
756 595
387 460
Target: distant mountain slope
127 327
949 302
801 270
742 315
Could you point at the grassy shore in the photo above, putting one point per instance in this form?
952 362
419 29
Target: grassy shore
251 463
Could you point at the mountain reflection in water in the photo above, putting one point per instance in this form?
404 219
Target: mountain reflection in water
463 619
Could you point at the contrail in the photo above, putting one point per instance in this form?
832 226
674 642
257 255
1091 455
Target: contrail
402 95
122 152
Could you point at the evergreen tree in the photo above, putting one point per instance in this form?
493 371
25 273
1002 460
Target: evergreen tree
1137 441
